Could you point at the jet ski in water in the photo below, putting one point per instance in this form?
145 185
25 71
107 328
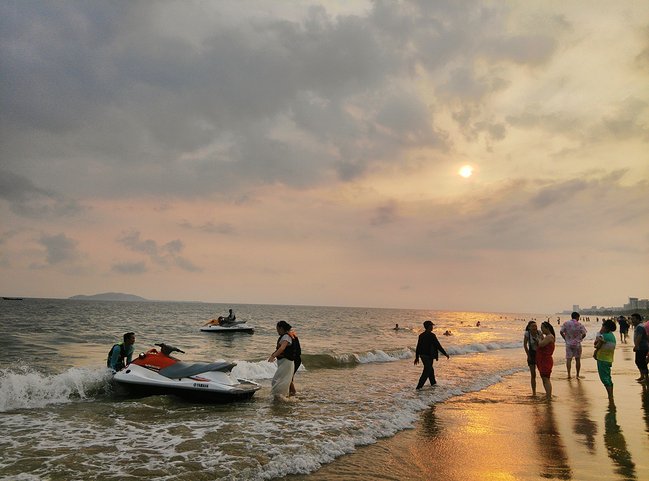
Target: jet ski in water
157 372
218 325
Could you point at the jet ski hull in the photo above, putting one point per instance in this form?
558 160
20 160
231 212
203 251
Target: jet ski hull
186 393
235 328
155 374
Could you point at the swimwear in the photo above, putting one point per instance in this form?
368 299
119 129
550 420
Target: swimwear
531 358
544 361
573 351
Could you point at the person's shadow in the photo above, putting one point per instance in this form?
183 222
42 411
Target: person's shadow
554 461
583 426
430 426
645 406
616 445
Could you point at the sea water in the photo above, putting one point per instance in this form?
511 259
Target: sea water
61 419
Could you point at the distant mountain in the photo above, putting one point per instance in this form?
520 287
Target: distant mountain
109 296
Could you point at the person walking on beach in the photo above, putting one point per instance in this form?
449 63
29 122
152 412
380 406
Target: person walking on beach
640 346
120 352
624 328
544 360
573 332
428 349
281 382
604 351
531 340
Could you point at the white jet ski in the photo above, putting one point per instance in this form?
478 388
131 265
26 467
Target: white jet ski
216 325
157 372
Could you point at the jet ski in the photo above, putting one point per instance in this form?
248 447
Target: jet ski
217 325
157 372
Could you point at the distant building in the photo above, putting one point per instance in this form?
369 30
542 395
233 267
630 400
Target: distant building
632 305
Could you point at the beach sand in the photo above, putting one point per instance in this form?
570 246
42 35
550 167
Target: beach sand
503 433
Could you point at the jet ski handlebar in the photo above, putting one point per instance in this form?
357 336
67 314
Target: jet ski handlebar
166 349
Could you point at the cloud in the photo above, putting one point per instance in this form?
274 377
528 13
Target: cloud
165 255
224 228
531 216
123 93
26 199
385 214
626 122
59 248
129 268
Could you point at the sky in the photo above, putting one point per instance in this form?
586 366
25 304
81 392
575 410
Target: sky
308 152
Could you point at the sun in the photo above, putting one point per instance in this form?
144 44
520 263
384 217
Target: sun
466 171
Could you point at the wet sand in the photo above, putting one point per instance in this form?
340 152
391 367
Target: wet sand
503 433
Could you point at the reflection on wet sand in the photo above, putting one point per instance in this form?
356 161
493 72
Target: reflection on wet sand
645 406
616 445
584 427
430 427
554 460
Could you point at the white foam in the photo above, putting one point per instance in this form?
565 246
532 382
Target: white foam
482 347
375 356
254 370
22 387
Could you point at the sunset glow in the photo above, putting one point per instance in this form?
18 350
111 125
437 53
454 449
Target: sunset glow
466 171
313 152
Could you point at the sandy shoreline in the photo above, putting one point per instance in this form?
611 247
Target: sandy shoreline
503 433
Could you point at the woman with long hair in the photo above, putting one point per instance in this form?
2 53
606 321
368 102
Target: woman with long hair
284 355
531 340
544 360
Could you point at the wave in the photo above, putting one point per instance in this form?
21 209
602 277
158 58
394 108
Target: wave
24 388
266 370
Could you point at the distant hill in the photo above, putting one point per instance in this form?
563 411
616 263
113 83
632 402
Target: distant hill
109 296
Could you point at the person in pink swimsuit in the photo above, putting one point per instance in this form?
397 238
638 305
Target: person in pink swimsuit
544 360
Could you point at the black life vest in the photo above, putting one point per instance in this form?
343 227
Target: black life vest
293 351
122 355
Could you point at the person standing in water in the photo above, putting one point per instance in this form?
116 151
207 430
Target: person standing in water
573 332
428 349
281 382
544 357
531 340
604 350
640 346
297 360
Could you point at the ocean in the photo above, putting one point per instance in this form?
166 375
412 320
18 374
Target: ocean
61 418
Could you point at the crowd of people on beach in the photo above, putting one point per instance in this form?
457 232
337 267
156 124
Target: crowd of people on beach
539 347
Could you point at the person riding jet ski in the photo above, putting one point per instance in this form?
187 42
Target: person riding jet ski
228 320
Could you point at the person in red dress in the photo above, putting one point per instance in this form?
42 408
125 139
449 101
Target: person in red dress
544 360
